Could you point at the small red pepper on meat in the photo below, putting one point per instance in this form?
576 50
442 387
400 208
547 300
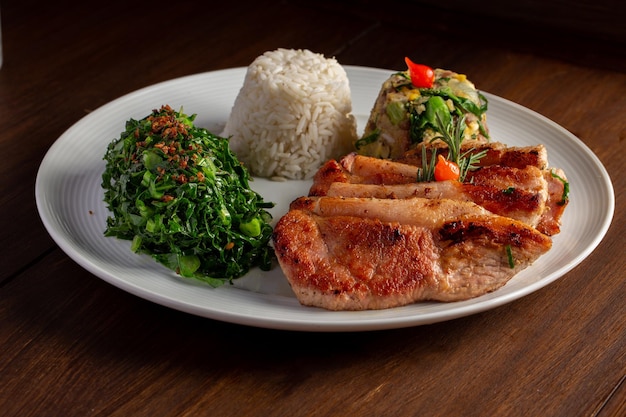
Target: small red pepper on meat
446 170
422 76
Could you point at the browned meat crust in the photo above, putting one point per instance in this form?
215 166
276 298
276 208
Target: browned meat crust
496 154
369 236
347 254
523 191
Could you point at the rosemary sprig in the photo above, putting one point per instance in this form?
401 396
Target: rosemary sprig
427 171
469 162
452 134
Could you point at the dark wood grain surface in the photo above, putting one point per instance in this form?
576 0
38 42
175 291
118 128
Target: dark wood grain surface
73 345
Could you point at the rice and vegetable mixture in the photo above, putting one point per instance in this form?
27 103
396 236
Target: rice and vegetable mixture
292 114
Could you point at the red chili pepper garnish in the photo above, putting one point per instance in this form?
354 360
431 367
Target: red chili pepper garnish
446 170
422 76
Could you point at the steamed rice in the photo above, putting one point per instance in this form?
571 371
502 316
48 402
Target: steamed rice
292 114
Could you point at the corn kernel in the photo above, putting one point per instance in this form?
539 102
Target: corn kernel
413 95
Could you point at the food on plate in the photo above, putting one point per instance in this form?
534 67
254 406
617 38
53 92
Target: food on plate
426 208
523 191
292 113
181 196
415 106
492 153
344 253
370 236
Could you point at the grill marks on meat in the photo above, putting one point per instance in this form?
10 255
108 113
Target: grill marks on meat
367 253
525 192
525 204
496 154
422 212
369 236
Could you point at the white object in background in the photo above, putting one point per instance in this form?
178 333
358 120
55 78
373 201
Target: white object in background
0 41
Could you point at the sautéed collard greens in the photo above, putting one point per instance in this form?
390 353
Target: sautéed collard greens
181 196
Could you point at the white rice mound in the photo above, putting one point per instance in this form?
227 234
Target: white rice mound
292 114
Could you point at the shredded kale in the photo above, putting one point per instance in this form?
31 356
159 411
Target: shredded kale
181 196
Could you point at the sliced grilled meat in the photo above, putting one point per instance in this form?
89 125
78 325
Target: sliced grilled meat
496 154
368 253
525 193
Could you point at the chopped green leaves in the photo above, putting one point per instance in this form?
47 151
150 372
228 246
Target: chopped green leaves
178 193
437 106
437 113
371 138
396 112
188 264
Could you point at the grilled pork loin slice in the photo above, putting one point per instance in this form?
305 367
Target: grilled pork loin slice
527 193
557 201
368 253
359 169
523 205
500 155
369 170
496 153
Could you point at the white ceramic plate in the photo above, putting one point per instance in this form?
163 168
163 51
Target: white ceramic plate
70 203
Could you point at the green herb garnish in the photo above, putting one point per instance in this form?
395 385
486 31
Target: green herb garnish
436 104
509 255
469 162
565 195
371 138
181 196
451 135
427 171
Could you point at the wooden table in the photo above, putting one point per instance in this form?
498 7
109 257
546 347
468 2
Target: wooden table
74 345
